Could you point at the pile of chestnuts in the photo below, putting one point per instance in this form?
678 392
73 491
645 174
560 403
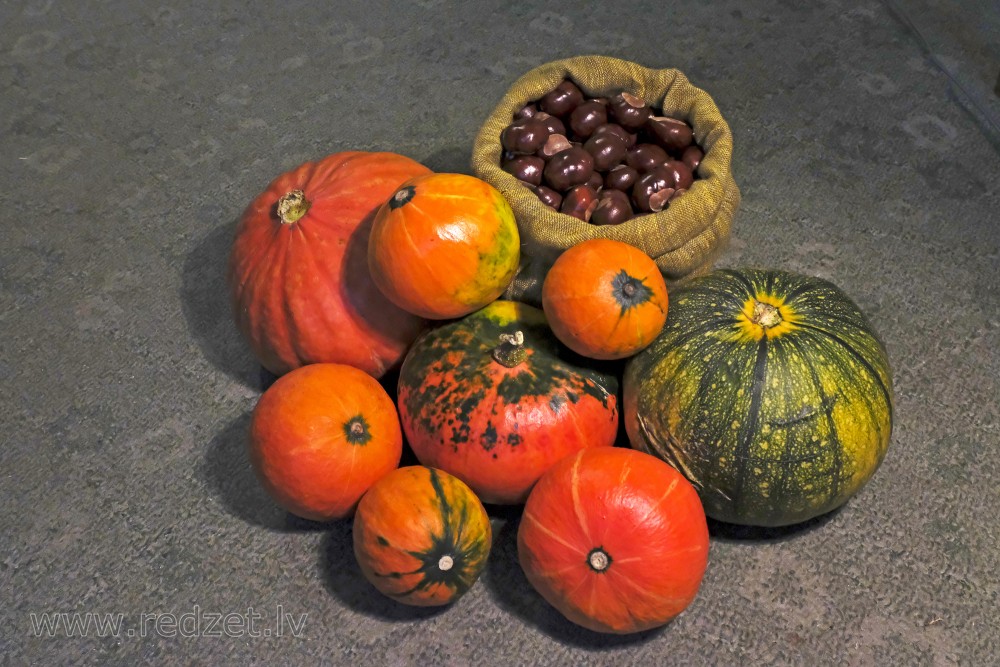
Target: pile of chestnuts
602 160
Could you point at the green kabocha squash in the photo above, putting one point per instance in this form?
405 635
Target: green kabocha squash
769 390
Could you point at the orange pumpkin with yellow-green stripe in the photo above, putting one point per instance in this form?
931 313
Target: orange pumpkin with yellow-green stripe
769 390
444 245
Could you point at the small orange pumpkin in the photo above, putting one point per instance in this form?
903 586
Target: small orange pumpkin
421 536
320 436
444 245
605 299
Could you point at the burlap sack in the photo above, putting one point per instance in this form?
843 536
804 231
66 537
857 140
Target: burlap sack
684 240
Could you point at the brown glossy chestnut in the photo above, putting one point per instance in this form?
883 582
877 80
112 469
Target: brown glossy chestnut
561 100
628 110
645 157
556 143
613 208
607 150
579 202
587 117
614 128
527 168
622 177
649 185
692 156
524 136
527 111
568 168
553 123
672 134
596 181
549 197
680 174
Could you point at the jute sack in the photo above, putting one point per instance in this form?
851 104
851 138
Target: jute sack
685 239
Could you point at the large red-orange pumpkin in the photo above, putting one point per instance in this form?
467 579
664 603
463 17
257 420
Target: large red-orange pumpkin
444 245
421 536
495 400
298 272
615 539
605 299
320 436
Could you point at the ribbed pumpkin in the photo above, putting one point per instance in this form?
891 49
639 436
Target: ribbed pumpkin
495 400
614 539
444 245
320 436
298 271
605 299
421 536
769 390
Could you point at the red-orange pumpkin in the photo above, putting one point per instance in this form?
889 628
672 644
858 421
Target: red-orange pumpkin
421 536
320 436
444 245
615 539
298 272
605 299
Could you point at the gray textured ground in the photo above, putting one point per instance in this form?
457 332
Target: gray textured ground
131 139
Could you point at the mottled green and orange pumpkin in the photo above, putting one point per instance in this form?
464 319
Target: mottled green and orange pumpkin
605 299
769 390
495 400
421 536
444 245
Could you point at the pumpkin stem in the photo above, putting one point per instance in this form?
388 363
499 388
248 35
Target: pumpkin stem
446 563
598 559
510 352
292 206
628 289
765 315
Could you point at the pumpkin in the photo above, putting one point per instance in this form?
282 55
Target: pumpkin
298 270
769 390
495 400
605 299
444 245
320 436
615 539
421 536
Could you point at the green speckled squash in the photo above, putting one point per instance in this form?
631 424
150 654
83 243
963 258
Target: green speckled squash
496 400
769 390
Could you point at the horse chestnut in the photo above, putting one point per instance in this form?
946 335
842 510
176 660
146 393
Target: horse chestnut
692 157
672 134
579 202
587 117
622 177
549 197
570 167
524 136
527 168
628 110
613 208
607 150
562 99
645 157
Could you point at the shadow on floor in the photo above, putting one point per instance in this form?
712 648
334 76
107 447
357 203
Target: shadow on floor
207 311
344 580
731 532
510 588
230 477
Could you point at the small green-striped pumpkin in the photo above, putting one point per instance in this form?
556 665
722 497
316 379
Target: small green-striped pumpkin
769 390
421 536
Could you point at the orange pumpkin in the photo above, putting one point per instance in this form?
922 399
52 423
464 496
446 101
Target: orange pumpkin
615 539
320 436
605 299
421 536
444 245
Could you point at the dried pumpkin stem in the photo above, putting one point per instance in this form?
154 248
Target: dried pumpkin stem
292 206
510 352
765 315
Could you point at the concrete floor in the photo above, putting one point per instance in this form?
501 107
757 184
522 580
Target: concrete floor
132 136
